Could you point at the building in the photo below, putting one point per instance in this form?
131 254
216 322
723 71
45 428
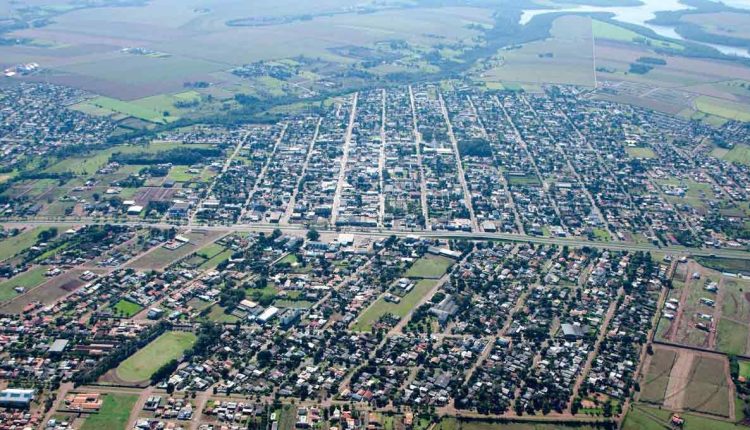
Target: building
16 398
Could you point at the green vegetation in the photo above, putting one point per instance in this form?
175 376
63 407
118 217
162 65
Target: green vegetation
127 308
605 30
13 245
732 337
382 307
640 152
429 266
654 385
141 365
739 154
731 265
723 108
648 418
114 413
218 314
28 279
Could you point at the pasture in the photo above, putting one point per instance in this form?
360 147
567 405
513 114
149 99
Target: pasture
648 418
140 366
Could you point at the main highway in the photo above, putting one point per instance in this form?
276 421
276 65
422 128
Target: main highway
376 232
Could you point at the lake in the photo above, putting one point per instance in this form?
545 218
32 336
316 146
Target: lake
640 15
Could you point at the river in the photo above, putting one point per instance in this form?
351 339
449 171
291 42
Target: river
640 15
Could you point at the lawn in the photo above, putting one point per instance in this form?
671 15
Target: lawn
93 162
130 109
28 279
217 259
127 308
141 365
381 307
113 415
13 245
430 267
745 369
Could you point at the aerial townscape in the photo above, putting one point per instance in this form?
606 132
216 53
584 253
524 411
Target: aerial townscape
374 215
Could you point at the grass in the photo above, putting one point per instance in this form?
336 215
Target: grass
745 369
605 30
732 265
732 337
430 267
655 382
381 307
218 315
640 152
739 154
93 162
13 245
28 279
127 308
217 259
141 365
113 415
130 109
723 108
647 418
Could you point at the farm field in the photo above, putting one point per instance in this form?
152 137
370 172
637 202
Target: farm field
429 267
90 164
141 365
382 307
114 413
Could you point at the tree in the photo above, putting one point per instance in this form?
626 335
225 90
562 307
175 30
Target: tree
313 235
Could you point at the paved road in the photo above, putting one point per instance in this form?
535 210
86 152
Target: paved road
513 237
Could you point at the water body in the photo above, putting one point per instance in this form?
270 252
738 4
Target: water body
640 15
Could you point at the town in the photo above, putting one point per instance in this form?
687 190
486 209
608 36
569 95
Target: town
400 258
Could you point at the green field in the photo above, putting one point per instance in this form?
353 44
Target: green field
648 418
640 152
723 108
732 337
605 30
732 265
218 315
739 154
430 267
28 279
745 369
141 365
13 245
128 108
93 162
127 308
656 379
114 413
381 307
